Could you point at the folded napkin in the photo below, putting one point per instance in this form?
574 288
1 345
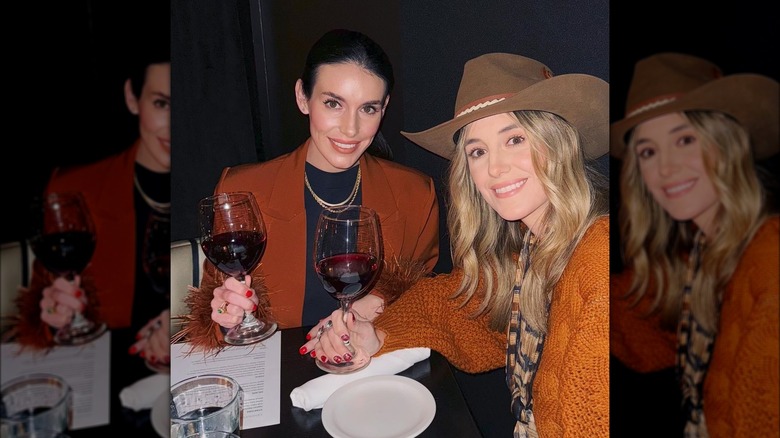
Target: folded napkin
143 393
314 393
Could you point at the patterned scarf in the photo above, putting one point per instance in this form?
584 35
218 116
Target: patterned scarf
524 351
694 351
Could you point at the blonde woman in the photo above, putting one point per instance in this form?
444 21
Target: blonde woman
530 248
701 289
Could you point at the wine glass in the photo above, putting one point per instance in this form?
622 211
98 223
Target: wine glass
347 256
63 240
233 239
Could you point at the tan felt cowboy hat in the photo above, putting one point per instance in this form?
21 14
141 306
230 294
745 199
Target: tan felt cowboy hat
497 83
674 82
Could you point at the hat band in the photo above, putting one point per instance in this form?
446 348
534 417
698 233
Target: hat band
653 103
482 103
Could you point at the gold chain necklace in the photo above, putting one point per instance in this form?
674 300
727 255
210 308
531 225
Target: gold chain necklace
322 202
160 207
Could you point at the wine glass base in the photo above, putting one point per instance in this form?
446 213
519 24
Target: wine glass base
79 335
341 368
250 334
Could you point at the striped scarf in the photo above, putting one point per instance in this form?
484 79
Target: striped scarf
694 352
524 351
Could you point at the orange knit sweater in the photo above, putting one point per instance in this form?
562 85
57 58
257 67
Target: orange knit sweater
571 389
741 389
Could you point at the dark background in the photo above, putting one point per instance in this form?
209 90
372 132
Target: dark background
740 37
65 65
235 64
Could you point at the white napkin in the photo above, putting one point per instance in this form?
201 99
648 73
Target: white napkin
143 393
314 393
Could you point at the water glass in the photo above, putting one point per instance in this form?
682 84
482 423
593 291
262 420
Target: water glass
206 403
36 405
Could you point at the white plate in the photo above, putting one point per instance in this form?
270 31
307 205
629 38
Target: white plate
379 407
160 416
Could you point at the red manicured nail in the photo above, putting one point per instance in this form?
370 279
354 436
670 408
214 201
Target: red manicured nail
308 337
347 357
337 359
79 293
142 354
303 350
133 350
248 293
254 307
345 337
313 354
324 358
138 336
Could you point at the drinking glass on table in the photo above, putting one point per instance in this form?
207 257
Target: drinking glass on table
233 239
206 403
36 405
62 236
347 255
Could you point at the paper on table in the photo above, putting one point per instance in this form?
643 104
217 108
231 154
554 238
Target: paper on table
85 368
257 368
314 393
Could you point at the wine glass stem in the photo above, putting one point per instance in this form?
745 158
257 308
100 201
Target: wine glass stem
249 317
78 320
345 306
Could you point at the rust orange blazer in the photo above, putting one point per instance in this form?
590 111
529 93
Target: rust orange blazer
404 199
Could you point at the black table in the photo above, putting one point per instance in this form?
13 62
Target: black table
452 419
466 405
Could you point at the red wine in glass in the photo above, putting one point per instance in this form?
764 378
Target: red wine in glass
66 252
233 239
63 240
235 252
345 276
347 256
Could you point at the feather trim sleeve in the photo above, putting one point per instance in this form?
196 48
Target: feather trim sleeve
28 329
397 276
198 329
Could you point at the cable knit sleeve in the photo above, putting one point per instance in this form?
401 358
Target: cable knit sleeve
571 396
745 365
425 316
635 339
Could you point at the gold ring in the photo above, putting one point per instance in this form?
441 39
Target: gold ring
223 308
328 324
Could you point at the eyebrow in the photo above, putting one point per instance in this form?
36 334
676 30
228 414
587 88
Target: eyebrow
681 127
157 93
500 131
341 99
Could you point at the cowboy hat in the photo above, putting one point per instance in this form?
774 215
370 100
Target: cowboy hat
674 82
497 83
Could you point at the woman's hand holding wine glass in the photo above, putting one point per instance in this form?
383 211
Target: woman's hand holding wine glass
240 298
61 301
233 238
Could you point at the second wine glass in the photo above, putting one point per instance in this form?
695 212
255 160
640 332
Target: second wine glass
233 238
347 256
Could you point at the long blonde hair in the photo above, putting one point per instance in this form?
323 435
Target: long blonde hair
655 245
485 245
